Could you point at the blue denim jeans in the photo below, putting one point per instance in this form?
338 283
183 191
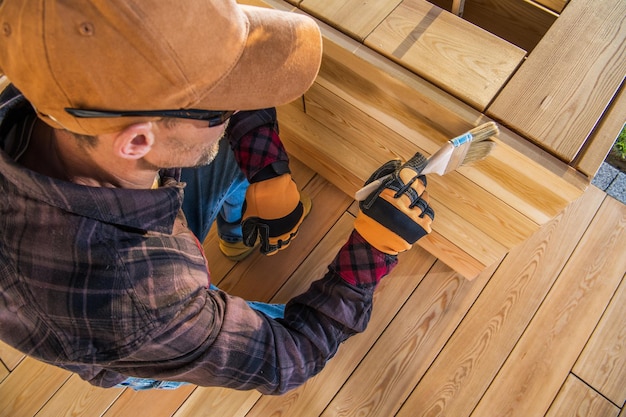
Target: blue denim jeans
214 192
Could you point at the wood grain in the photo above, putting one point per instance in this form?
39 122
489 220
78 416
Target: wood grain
542 359
79 398
217 402
561 91
9 356
29 387
523 23
356 18
463 59
577 399
603 362
408 346
313 397
604 135
463 371
154 403
556 5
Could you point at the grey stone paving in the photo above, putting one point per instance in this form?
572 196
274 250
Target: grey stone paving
612 181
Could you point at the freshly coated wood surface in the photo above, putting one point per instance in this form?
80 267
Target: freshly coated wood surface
518 337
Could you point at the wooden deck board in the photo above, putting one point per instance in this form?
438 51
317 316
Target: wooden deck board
603 363
474 354
550 345
577 399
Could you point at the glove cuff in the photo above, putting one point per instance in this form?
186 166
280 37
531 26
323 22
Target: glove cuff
253 137
360 264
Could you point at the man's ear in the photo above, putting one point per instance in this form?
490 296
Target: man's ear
135 141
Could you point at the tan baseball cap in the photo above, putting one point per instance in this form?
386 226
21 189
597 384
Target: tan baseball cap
153 55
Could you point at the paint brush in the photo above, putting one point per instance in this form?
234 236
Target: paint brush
471 146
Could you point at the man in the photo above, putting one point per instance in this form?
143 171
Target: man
101 268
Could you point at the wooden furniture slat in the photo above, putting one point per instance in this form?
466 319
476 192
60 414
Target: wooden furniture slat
545 354
4 372
408 346
474 354
556 5
577 399
596 148
29 387
154 403
217 402
79 398
356 18
313 397
522 23
10 356
602 364
561 91
461 58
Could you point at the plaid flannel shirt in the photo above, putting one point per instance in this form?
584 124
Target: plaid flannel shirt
110 283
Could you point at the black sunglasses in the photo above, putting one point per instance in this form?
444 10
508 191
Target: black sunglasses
214 117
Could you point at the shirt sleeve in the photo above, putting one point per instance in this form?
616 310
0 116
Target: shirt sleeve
218 340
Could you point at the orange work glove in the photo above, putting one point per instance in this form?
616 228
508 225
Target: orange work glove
396 214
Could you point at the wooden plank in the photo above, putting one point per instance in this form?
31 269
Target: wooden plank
356 18
79 398
523 23
9 356
461 58
153 403
217 402
29 387
408 346
474 354
316 264
555 5
577 399
601 141
312 398
602 365
561 91
4 372
542 359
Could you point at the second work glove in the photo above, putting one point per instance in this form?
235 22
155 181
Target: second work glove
273 211
397 213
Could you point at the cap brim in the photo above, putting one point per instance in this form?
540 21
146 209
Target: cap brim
279 63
